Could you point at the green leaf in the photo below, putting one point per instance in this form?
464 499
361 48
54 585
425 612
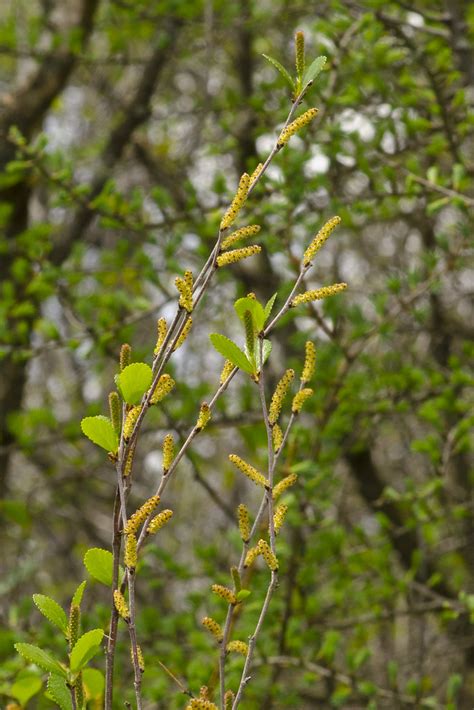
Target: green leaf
281 69
243 594
36 655
77 598
230 351
134 381
25 686
86 648
52 611
266 350
94 683
101 432
269 306
100 564
59 692
313 70
256 310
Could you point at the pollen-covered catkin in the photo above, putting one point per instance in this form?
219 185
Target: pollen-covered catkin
163 387
277 436
229 698
268 555
125 356
212 626
140 515
318 294
238 647
224 593
251 472
320 239
300 398
299 52
158 521
185 288
279 517
295 126
256 173
131 552
201 704
237 203
141 660
284 484
121 604
230 257
162 328
251 556
204 416
279 396
115 411
309 362
243 517
129 462
240 234
226 370
73 624
168 452
184 333
130 421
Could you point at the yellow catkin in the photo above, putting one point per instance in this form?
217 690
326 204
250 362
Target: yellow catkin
73 624
279 517
185 288
231 257
141 660
238 647
140 515
256 173
204 416
277 436
130 421
184 333
229 698
129 462
168 452
318 294
162 328
268 555
279 396
295 126
115 411
299 53
225 593
237 203
284 484
125 356
158 521
251 472
251 556
213 627
309 361
240 234
204 692
163 387
300 398
320 239
201 704
131 552
226 370
121 604
243 517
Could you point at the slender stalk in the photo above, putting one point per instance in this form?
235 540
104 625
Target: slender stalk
133 638
112 640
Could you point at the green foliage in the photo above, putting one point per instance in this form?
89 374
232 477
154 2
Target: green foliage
99 563
100 431
134 381
59 692
87 646
40 658
52 611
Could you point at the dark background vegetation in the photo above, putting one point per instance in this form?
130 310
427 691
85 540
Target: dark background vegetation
151 110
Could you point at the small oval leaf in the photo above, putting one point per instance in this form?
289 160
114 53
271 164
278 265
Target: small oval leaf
100 563
25 687
255 308
134 381
281 69
59 692
85 649
228 349
52 611
101 432
313 70
77 598
94 683
36 655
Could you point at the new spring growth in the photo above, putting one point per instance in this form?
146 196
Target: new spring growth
300 398
115 413
130 421
249 334
214 628
237 203
309 362
74 624
240 234
318 294
295 126
141 660
204 416
299 53
279 396
224 593
184 333
230 257
284 484
201 704
121 605
163 387
251 556
158 521
226 370
131 552
238 647
251 472
168 452
277 436
229 698
140 515
185 288
269 557
162 328
243 517
125 356
279 517
320 239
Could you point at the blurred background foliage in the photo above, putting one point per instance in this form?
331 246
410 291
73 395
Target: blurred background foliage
134 120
